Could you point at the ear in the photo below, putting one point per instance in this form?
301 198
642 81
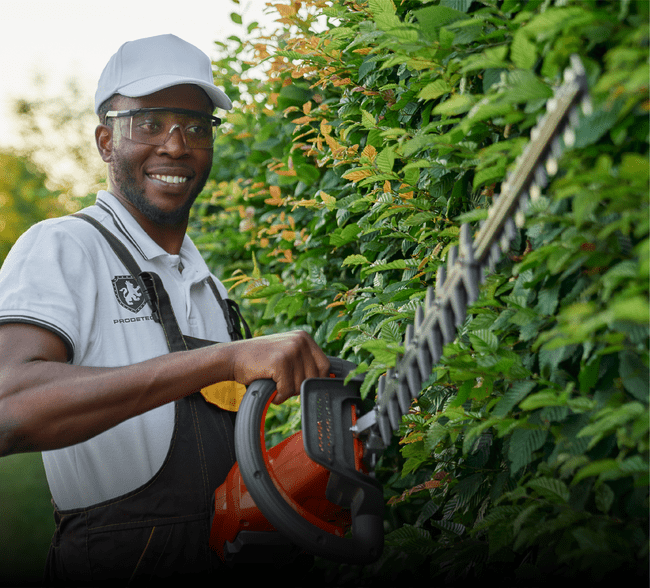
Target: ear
104 141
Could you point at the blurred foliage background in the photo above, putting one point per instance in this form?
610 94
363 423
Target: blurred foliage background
363 134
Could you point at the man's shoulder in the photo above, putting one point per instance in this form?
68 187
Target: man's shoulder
67 237
64 226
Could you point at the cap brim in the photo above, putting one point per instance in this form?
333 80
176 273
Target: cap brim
157 83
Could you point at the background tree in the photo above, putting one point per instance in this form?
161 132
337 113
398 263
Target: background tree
24 199
58 134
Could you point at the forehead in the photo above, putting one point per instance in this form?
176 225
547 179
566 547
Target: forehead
184 96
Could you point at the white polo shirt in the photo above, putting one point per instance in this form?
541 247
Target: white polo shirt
63 276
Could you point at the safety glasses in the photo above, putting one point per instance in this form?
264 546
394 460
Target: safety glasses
152 126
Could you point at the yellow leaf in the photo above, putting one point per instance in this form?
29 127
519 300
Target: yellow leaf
325 129
286 10
275 191
357 175
370 152
306 203
327 199
303 120
288 235
387 188
406 195
333 304
306 107
332 143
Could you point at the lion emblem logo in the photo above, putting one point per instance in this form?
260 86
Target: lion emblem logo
128 293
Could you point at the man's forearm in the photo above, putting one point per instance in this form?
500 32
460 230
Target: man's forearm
48 405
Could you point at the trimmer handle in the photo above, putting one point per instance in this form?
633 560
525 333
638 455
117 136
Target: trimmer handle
327 406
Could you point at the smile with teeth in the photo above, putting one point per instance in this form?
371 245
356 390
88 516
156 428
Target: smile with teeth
170 179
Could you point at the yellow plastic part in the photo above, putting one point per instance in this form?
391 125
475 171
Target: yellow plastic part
226 395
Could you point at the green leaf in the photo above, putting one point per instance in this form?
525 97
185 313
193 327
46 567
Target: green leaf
635 376
484 341
523 443
432 18
355 259
553 489
409 538
524 86
544 398
344 235
383 351
367 120
434 90
385 160
513 396
595 468
609 419
604 498
457 104
436 433
523 52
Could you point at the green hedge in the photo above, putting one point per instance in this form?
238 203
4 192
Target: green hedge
363 134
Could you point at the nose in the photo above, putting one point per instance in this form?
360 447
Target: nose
175 143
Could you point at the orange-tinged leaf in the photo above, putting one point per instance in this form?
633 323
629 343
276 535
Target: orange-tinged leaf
303 120
325 129
306 203
406 195
286 10
370 152
338 303
327 199
357 175
332 143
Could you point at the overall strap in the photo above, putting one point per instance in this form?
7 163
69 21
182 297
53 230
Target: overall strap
158 299
234 318
116 245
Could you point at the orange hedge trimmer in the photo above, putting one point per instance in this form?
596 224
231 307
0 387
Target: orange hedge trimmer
306 493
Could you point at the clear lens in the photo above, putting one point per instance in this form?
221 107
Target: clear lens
154 127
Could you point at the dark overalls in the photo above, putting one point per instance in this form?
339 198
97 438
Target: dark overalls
162 529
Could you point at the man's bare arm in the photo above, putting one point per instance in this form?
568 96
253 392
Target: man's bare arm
46 403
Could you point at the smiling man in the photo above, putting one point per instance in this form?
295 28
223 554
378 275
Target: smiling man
111 324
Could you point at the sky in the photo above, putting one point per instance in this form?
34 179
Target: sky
63 39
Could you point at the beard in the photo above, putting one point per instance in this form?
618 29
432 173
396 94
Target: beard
125 180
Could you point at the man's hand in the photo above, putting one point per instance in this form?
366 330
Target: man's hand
287 358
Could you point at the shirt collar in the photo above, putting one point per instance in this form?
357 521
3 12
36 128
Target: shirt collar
131 230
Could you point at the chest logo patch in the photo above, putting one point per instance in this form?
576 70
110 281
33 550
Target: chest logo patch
128 293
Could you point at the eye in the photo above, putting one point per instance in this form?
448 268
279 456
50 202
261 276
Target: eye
199 129
147 124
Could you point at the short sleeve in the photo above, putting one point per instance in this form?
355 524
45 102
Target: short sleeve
47 281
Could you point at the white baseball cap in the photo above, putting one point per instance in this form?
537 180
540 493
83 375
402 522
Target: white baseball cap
145 66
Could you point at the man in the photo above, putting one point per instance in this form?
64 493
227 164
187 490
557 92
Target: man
132 454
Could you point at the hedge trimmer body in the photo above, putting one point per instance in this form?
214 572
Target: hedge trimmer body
308 492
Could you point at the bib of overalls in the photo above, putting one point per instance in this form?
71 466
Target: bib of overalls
161 529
